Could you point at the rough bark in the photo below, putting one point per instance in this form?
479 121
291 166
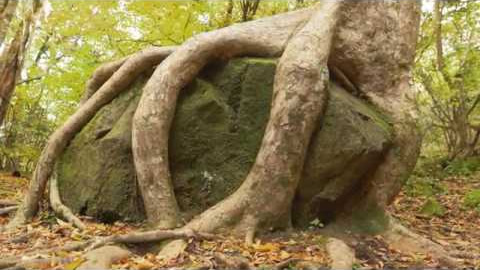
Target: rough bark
388 35
13 58
99 77
351 37
264 199
57 142
152 120
7 10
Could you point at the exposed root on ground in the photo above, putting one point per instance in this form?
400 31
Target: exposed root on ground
149 236
401 238
59 208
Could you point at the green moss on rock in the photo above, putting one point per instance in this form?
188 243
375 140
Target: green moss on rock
216 133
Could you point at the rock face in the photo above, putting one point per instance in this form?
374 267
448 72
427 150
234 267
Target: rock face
215 136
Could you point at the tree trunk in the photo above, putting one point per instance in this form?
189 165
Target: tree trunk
368 46
7 10
156 109
12 59
300 89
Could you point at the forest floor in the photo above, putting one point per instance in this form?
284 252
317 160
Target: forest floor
448 222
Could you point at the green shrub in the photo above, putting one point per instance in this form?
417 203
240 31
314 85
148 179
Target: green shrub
433 208
424 186
472 199
463 166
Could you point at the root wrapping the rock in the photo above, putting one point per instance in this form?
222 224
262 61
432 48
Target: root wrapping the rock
300 91
57 142
153 117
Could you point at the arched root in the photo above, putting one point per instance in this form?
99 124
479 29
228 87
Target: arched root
100 76
264 199
153 117
341 255
59 208
401 238
57 142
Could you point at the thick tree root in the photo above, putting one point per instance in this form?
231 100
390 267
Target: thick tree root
59 208
150 236
401 238
264 199
341 255
153 118
119 81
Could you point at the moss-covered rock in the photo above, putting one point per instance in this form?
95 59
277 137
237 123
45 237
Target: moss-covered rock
216 133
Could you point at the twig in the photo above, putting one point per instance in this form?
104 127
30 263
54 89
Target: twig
150 236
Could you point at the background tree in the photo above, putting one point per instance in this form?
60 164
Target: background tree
7 11
449 74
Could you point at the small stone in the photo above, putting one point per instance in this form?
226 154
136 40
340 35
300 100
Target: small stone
172 250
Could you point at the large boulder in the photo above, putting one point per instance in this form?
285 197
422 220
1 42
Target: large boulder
217 131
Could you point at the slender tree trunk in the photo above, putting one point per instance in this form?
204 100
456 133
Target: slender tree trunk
7 11
12 60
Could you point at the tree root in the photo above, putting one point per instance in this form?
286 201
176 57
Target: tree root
100 76
300 89
7 210
154 114
150 236
342 256
59 208
401 238
57 142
